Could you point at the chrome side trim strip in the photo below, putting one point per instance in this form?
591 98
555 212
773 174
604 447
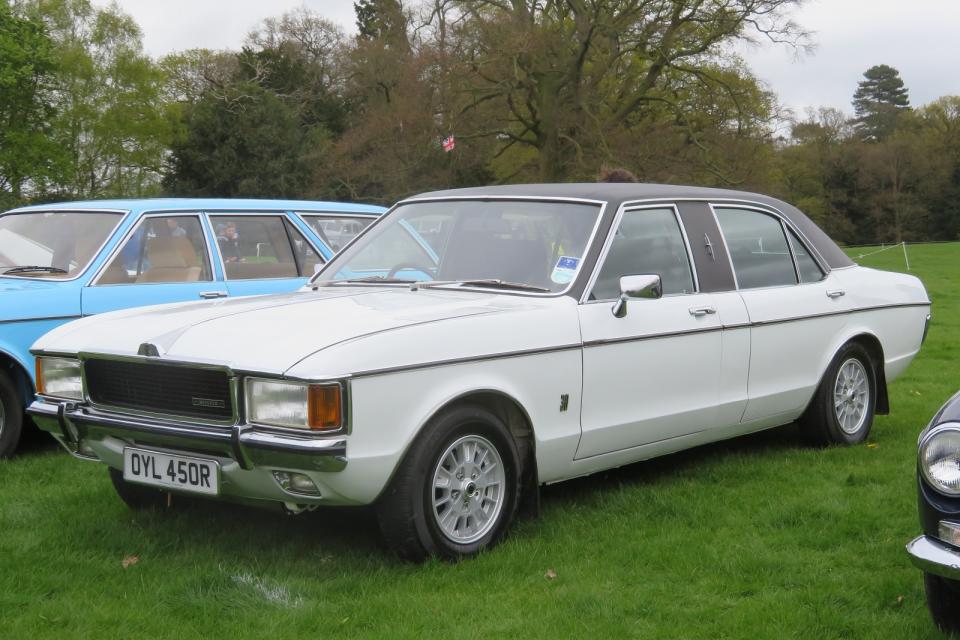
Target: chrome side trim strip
604 342
464 360
73 317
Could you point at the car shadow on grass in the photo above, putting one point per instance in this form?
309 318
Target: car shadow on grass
683 463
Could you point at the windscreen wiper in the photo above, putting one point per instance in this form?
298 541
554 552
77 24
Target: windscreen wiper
492 283
377 279
30 268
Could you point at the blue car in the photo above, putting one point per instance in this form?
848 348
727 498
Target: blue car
65 261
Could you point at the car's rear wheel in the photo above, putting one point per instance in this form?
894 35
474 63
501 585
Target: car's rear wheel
456 492
843 406
11 416
943 600
137 496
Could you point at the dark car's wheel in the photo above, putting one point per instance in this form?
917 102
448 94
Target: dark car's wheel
456 492
943 600
842 408
11 416
137 496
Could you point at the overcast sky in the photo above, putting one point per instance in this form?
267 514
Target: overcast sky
921 38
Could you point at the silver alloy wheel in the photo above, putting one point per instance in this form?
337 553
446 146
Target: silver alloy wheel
469 484
851 395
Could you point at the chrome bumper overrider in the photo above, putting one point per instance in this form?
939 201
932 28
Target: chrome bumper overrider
247 454
933 556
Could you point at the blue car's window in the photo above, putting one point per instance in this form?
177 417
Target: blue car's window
58 244
258 247
336 231
526 245
161 249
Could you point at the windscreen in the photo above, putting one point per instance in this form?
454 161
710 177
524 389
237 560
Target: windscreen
52 244
538 245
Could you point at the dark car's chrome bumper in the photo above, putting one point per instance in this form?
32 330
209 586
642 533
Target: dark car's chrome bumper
72 424
933 556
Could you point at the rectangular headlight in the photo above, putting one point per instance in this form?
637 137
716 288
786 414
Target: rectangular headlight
299 405
59 378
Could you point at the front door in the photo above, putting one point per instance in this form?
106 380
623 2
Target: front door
655 373
165 258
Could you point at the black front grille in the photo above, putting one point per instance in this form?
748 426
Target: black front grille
160 388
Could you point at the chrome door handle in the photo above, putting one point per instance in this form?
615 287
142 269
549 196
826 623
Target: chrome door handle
702 311
210 295
836 293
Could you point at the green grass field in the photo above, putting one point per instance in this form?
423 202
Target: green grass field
759 537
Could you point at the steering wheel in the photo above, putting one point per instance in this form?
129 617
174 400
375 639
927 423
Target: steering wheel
407 265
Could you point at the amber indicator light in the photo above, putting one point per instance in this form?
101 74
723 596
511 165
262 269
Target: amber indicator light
39 371
323 407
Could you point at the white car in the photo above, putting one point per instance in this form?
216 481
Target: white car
542 332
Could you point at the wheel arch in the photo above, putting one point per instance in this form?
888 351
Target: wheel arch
518 421
874 348
19 374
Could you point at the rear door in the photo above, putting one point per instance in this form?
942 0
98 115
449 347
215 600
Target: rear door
164 258
794 309
262 252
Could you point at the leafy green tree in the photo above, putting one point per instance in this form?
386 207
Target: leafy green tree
878 102
240 141
28 155
111 120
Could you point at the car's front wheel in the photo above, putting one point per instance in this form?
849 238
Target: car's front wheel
842 408
11 417
137 496
943 600
456 492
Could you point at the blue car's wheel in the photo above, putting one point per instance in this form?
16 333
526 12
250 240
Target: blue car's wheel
11 417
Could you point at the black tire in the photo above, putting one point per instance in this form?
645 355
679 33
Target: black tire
406 512
137 496
11 416
943 600
820 423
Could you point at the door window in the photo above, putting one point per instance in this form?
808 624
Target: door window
648 241
161 249
757 247
809 270
304 253
336 231
255 247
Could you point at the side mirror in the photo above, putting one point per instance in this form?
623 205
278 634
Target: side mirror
640 287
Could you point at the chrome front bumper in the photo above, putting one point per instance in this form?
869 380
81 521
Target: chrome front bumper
933 556
247 454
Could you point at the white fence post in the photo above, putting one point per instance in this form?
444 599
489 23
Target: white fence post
905 258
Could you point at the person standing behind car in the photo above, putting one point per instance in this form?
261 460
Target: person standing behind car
229 241
616 175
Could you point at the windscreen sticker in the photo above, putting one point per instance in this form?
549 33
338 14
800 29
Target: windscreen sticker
566 267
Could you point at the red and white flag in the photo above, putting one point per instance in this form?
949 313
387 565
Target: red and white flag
449 143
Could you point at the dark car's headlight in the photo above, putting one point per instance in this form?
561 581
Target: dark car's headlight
299 405
940 458
59 378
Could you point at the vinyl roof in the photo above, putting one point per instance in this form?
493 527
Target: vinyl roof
615 194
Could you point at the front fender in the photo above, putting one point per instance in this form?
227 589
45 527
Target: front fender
389 411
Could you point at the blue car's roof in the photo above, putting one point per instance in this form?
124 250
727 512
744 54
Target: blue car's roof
208 204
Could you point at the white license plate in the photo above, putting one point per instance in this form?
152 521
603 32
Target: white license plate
171 472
